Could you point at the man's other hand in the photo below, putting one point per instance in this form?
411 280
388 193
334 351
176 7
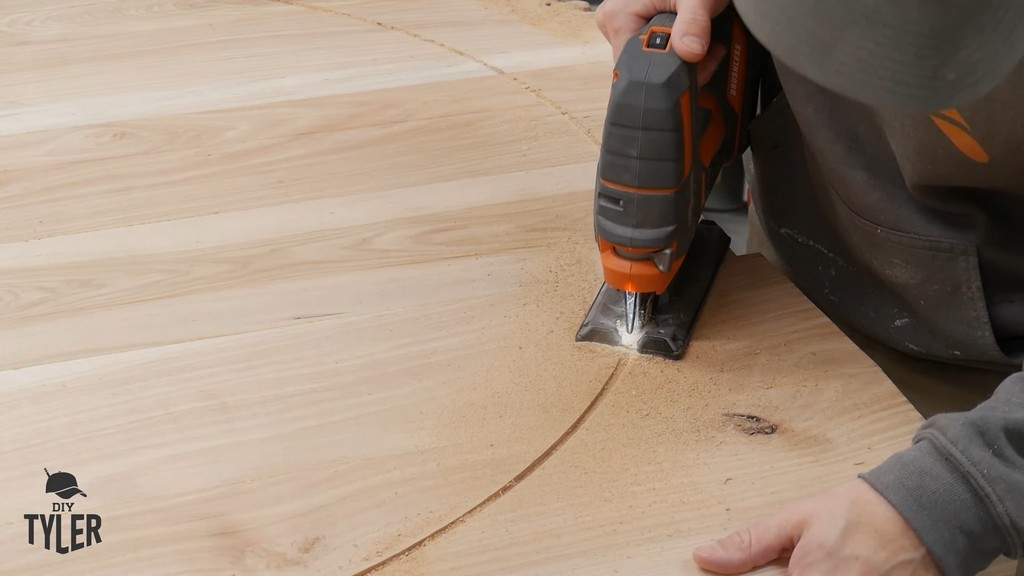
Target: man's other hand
849 529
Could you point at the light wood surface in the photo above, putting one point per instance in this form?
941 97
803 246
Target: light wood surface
291 288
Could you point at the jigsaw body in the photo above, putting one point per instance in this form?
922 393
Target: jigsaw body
664 145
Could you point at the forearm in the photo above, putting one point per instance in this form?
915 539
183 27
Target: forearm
961 484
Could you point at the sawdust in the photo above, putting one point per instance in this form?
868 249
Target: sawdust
660 456
546 378
566 19
525 385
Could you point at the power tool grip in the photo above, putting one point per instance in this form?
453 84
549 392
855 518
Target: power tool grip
645 150
649 195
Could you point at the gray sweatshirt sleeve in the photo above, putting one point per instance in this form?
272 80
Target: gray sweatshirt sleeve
960 484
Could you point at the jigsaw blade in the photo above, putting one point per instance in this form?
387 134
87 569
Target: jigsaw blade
664 325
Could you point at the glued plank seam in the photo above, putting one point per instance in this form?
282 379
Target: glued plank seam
536 92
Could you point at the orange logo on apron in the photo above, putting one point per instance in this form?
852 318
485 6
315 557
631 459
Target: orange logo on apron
957 130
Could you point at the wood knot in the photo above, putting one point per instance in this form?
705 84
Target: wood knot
752 425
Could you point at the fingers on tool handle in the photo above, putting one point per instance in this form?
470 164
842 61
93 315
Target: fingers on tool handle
692 29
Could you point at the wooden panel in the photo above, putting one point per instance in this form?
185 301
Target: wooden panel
276 309
663 466
290 287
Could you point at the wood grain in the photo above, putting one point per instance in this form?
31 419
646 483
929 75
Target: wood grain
291 288
664 465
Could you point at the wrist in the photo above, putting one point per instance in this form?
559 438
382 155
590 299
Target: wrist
938 495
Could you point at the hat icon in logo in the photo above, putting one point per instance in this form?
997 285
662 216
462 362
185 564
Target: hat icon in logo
62 484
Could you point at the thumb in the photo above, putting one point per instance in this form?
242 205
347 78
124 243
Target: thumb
750 547
691 34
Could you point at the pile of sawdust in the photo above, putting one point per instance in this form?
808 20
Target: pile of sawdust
567 19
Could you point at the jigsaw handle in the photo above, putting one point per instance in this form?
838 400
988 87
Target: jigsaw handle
658 159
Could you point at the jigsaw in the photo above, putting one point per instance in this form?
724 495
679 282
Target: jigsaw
664 145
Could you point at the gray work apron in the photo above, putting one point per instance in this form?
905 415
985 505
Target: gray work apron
906 227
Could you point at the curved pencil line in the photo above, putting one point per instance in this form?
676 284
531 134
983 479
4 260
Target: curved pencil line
508 486
537 93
